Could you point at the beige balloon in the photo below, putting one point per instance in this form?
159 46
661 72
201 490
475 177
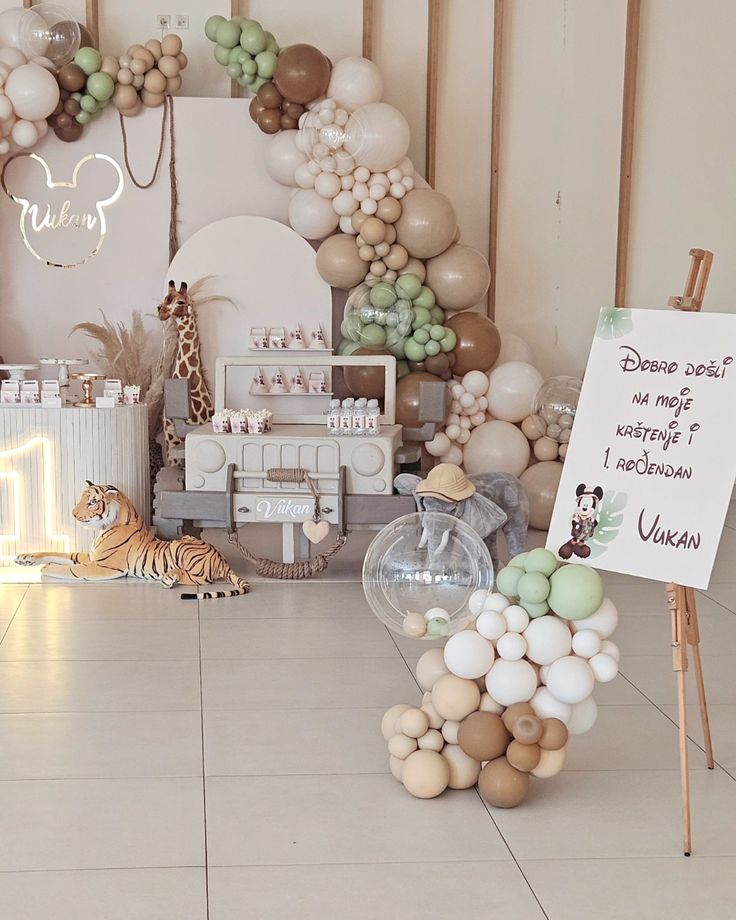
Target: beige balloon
154 46
414 267
169 66
540 482
339 262
155 81
545 448
427 224
124 97
426 774
430 667
396 767
459 277
454 697
464 770
390 720
151 99
171 45
173 84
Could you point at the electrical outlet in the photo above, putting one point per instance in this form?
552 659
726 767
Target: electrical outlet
181 21
163 21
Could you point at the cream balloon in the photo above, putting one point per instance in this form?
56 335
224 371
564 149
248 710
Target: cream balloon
10 27
33 90
354 82
311 215
512 389
11 57
378 136
496 447
427 223
459 276
282 157
540 482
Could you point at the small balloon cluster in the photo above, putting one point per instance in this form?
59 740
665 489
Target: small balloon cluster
244 49
143 76
549 425
468 409
503 695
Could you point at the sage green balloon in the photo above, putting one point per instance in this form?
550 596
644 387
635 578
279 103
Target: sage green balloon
222 55
89 104
437 627
437 333
533 587
577 591
228 34
519 561
252 37
101 86
257 83
408 286
234 55
266 61
432 348
234 70
350 347
382 296
89 59
414 351
398 350
449 341
402 369
425 298
248 79
535 610
437 314
373 336
250 67
507 580
421 336
272 45
421 316
541 560
83 118
210 27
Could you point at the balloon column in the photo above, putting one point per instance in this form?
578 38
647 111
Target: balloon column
47 79
504 695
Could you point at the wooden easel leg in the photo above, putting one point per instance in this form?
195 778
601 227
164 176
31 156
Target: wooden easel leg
678 607
693 638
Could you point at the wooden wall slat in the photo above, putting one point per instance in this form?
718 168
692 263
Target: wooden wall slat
92 17
495 150
631 57
368 23
434 14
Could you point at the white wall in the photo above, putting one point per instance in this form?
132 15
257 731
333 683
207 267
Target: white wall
560 141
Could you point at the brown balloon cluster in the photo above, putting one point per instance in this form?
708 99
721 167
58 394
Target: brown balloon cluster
302 74
457 738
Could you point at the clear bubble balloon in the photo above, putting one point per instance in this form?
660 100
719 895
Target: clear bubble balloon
420 564
51 31
556 403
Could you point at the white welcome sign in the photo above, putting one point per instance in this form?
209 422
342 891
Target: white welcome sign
650 467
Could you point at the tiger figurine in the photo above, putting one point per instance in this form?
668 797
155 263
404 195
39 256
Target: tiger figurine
125 546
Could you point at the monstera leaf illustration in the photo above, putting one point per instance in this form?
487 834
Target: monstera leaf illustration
610 519
613 323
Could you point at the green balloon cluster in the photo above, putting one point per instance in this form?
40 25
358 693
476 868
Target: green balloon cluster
98 88
542 584
401 317
244 48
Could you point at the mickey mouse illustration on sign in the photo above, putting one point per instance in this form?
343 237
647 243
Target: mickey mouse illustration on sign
584 522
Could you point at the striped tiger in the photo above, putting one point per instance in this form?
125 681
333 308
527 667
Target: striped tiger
125 546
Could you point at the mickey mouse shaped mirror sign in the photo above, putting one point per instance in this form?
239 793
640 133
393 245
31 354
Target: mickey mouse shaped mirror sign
63 222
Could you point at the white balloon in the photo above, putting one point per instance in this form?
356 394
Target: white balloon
6 108
511 646
452 431
311 216
570 679
513 348
517 619
582 717
510 682
346 226
548 638
496 601
355 81
344 203
283 157
468 654
477 599
303 176
439 444
604 621
497 447
454 455
33 91
491 624
10 27
12 57
610 648
4 146
24 133
604 667
586 643
546 706
378 137
327 185
512 389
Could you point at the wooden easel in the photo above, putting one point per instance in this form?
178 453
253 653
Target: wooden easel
681 600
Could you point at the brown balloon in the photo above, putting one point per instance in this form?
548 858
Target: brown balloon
408 392
302 73
527 729
554 735
288 123
439 365
478 342
86 40
269 96
513 713
72 133
483 736
63 120
269 121
71 77
415 366
294 110
72 107
524 757
255 108
366 381
501 785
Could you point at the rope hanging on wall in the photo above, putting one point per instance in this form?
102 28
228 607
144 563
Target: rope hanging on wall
167 115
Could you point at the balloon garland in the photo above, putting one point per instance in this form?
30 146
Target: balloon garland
51 76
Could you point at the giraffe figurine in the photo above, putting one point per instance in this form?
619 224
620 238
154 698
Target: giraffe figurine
188 364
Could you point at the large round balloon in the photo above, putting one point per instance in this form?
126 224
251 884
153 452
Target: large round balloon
377 136
365 380
512 389
311 215
478 342
427 223
283 157
540 482
10 21
302 73
33 90
459 277
496 447
49 30
355 81
408 391
339 263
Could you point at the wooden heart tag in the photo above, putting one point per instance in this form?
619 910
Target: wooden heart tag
315 531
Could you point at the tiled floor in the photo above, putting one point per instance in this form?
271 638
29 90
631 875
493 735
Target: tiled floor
160 761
